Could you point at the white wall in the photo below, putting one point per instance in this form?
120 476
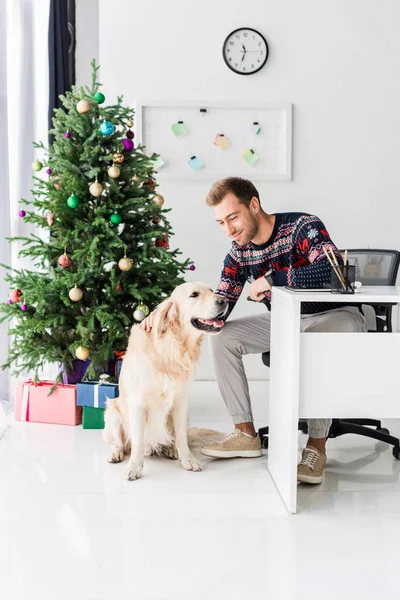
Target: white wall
338 62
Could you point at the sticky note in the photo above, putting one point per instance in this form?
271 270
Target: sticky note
255 127
195 163
158 162
250 156
222 141
179 128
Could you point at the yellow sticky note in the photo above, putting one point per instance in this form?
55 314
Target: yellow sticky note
222 141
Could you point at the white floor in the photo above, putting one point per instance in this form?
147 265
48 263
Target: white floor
72 529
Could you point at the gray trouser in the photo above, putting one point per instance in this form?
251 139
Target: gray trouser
251 335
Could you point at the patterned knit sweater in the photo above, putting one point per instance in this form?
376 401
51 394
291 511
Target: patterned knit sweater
294 252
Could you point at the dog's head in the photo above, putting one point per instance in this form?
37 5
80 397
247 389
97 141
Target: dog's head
192 307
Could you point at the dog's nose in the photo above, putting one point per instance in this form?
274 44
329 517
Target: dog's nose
221 301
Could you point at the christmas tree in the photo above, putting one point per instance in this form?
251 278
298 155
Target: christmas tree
104 260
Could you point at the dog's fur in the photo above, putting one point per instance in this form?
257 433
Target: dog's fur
150 414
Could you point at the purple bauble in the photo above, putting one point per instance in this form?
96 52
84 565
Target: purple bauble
128 144
24 307
9 302
67 134
49 171
21 213
192 267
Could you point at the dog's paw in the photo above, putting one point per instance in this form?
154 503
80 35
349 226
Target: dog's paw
116 456
191 464
170 452
133 472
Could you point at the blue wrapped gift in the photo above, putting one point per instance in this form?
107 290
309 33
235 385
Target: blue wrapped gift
95 394
119 367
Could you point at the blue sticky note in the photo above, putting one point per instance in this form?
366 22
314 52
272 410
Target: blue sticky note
195 163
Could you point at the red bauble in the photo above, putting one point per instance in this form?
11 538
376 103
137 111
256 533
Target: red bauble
162 242
15 295
151 184
64 261
118 287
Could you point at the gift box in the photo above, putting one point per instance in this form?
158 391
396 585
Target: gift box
93 418
33 403
95 394
119 367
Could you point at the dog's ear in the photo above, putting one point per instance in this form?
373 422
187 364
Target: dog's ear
167 317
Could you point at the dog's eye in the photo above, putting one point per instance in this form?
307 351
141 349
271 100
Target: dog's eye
194 295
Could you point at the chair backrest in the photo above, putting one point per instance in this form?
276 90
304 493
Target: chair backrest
375 267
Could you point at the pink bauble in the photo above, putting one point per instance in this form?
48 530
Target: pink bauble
64 261
128 144
49 171
67 134
9 302
50 219
22 214
192 267
24 307
15 295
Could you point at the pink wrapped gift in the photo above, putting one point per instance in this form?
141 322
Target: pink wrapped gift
34 404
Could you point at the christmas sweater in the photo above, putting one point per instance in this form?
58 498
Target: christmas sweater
295 253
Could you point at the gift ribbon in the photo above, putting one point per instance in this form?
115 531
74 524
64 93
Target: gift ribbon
103 381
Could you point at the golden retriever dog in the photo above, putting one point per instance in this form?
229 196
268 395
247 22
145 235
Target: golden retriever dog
151 413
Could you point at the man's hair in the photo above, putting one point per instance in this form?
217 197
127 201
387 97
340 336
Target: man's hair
243 189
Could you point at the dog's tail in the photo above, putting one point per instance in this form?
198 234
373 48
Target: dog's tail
157 433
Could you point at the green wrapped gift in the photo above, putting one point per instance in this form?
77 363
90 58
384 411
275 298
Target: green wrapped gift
93 418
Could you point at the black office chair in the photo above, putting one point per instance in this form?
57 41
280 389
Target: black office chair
373 267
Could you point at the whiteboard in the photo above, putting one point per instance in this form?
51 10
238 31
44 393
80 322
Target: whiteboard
273 145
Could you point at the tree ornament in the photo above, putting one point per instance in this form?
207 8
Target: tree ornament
151 184
67 134
158 200
73 201
118 157
49 171
64 260
130 135
106 128
37 165
10 302
162 242
50 218
116 219
118 287
114 172
135 178
192 267
156 220
128 145
57 186
144 308
96 189
75 294
125 264
138 315
99 97
22 214
82 353
83 107
15 295
24 306
129 123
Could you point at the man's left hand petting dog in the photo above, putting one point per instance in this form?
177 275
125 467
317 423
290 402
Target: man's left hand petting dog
150 416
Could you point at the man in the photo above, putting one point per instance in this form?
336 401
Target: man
291 244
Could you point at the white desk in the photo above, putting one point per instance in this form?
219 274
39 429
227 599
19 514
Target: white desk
359 373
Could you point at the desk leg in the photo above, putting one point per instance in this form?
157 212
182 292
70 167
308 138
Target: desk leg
284 398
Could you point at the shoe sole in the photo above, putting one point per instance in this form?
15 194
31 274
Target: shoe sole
310 479
232 454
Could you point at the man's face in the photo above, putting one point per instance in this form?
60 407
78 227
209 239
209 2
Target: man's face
236 220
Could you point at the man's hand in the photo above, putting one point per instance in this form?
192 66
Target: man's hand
148 322
258 288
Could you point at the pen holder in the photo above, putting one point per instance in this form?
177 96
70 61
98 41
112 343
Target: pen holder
342 279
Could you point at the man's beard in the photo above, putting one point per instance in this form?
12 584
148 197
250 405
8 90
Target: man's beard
251 231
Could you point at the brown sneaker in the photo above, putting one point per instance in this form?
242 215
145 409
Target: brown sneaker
235 445
311 468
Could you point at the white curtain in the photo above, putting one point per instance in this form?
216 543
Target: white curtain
24 92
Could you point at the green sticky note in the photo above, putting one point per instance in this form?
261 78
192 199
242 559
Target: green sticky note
179 128
250 156
159 162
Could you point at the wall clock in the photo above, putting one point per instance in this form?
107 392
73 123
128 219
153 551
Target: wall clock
245 51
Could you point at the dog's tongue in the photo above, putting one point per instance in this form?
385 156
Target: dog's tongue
215 322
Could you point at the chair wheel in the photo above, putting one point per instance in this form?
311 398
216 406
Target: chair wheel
383 430
264 443
396 452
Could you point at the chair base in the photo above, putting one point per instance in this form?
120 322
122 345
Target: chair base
341 427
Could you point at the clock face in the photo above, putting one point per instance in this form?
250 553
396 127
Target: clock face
245 51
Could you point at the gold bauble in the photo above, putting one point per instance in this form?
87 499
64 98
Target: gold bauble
114 172
125 264
75 294
129 123
159 200
82 352
118 157
83 107
136 178
96 189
